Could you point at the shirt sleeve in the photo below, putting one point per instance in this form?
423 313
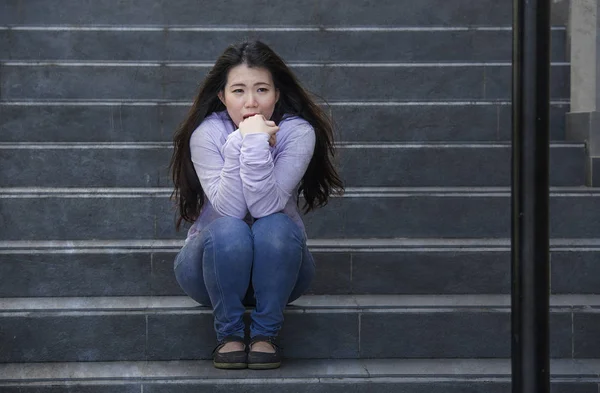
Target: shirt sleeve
218 169
267 183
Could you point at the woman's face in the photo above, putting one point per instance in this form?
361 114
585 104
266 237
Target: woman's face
249 91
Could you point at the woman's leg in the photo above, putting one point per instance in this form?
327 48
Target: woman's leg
214 268
305 276
283 269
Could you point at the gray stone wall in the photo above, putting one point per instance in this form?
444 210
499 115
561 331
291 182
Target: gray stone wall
583 120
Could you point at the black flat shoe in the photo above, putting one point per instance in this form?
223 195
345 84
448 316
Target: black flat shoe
230 360
264 360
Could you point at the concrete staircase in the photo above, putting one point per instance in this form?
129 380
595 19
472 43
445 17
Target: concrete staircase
413 281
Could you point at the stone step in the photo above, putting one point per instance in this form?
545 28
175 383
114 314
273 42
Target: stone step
259 13
361 266
370 164
363 44
125 121
131 214
338 327
333 81
314 376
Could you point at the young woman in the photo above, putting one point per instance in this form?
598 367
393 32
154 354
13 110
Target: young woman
252 142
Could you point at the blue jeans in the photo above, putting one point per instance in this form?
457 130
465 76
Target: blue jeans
229 265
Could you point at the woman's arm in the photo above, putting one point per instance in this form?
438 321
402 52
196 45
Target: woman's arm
218 169
268 185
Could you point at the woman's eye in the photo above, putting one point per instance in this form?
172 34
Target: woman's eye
263 90
238 91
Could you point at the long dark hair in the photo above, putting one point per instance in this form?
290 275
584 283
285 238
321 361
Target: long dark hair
321 178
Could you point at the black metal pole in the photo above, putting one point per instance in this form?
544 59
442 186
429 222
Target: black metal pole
530 197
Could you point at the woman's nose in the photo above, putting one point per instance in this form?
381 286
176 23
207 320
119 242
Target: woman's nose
250 101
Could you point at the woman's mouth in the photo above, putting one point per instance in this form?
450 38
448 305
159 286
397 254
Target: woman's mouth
249 115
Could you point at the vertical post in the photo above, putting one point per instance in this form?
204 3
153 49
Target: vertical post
530 197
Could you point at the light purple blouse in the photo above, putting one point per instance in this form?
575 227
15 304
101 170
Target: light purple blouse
246 178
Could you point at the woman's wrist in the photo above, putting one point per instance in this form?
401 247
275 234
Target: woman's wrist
250 132
256 136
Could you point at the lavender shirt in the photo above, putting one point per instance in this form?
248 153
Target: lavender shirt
244 177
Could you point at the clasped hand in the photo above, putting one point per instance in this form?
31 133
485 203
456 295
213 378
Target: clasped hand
258 124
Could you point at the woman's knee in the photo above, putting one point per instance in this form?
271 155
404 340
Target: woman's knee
277 230
230 235
228 240
228 226
277 240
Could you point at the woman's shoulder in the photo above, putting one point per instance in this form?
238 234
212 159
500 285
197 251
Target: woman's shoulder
294 122
215 121
295 131
217 124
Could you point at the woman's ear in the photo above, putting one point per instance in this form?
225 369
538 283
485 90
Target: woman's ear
220 95
276 95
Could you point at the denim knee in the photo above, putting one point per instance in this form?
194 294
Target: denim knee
231 242
277 231
230 235
231 239
228 228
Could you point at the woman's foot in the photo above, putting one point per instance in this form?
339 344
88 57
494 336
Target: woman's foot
230 353
262 346
232 346
264 354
